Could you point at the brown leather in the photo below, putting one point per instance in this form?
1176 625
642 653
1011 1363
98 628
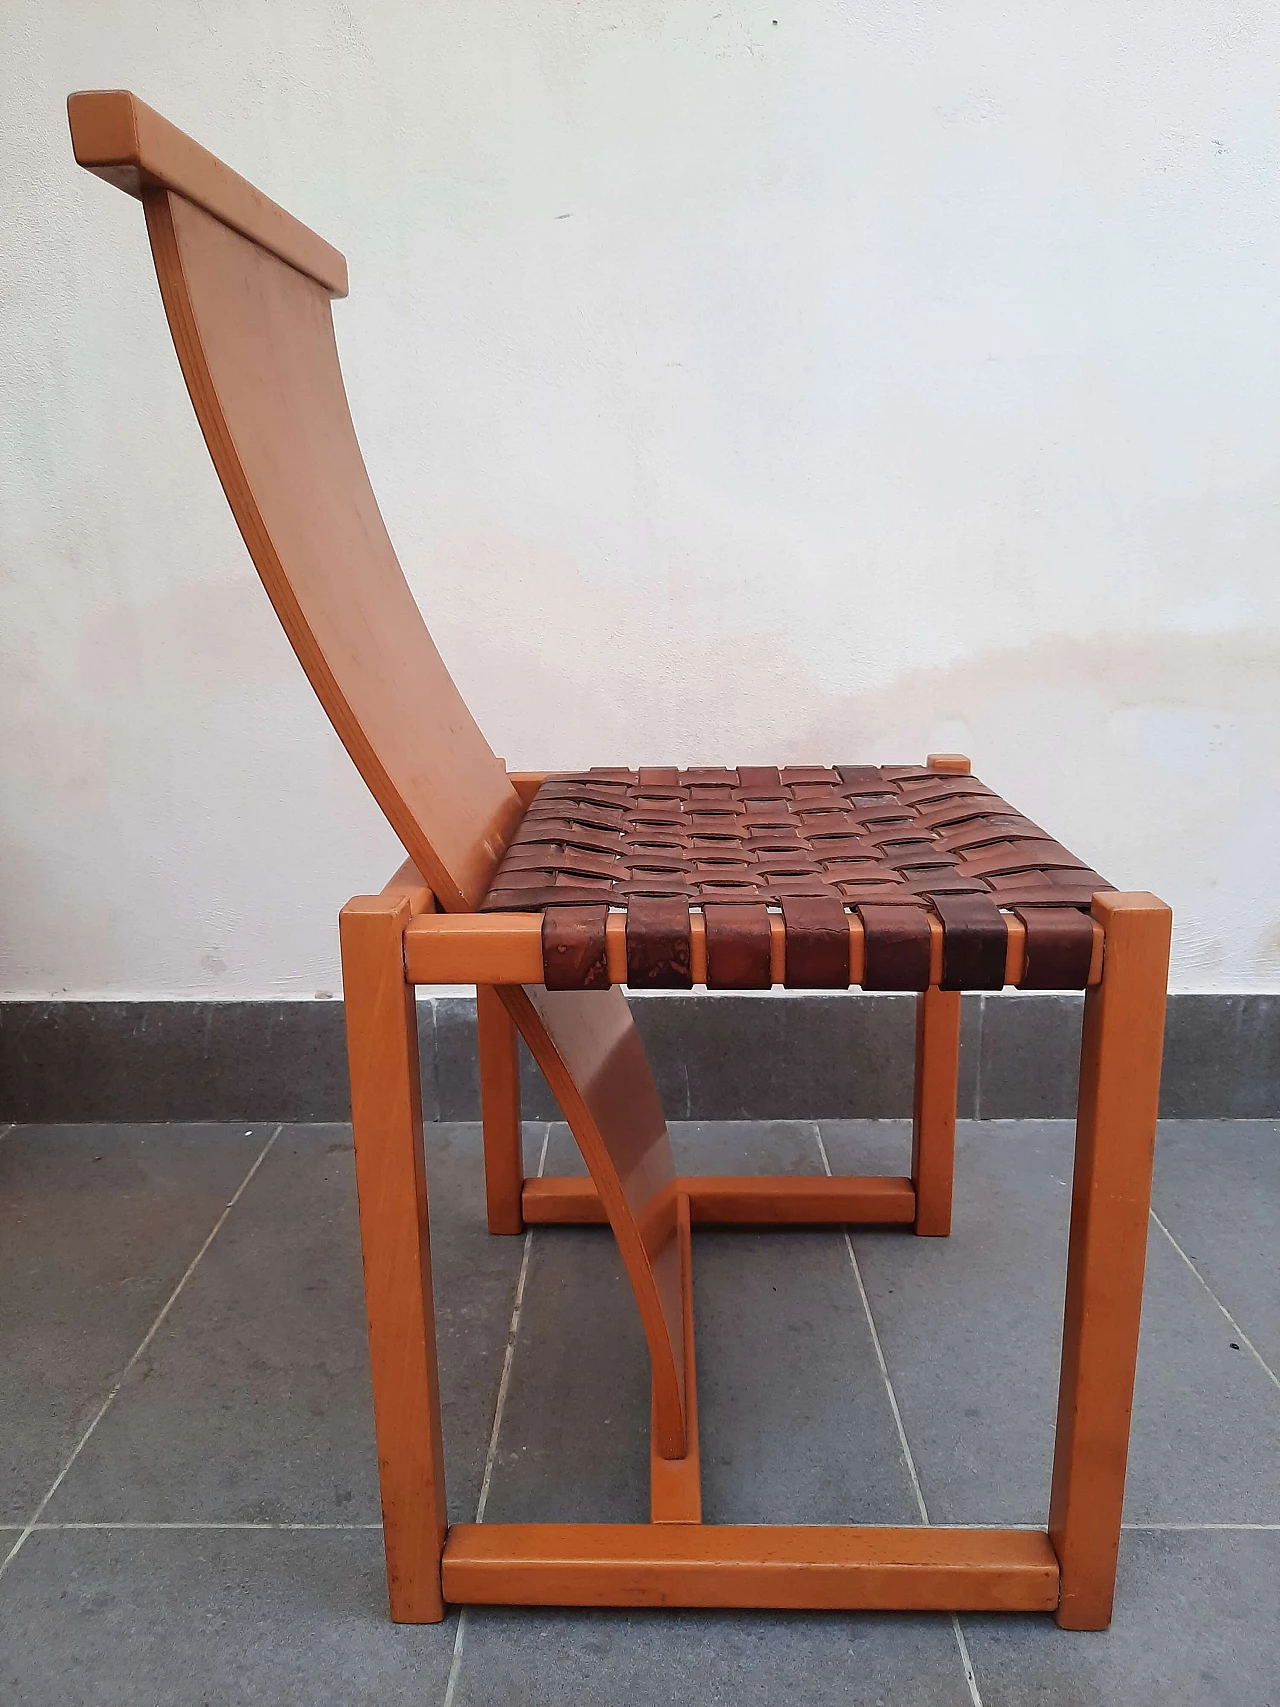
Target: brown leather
898 944
975 942
859 836
738 944
573 948
1059 948
658 944
817 947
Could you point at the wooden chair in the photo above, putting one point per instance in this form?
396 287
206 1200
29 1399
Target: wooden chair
549 893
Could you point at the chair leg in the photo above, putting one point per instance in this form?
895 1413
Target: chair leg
933 1129
1110 1200
500 1111
386 1106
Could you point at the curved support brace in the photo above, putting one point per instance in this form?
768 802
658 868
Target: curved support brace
586 1044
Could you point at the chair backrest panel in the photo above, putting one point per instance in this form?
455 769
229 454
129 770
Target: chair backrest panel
255 340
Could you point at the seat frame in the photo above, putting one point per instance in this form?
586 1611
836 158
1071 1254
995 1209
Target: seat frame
247 292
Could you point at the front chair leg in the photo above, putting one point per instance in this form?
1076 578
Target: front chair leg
386 1108
1106 1255
500 1112
933 1126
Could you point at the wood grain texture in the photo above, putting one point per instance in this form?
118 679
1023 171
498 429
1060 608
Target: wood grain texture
255 341
386 1109
1106 1258
742 1200
670 1564
118 137
500 1112
933 1123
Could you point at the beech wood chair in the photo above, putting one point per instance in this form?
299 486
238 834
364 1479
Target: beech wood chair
549 893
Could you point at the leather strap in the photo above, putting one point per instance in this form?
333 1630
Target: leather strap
573 948
658 943
1059 948
975 942
898 944
738 943
817 942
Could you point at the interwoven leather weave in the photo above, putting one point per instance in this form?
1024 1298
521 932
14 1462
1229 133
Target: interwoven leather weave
847 837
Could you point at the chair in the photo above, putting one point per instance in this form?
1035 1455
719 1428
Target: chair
548 893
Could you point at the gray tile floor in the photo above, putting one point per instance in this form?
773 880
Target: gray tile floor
188 1490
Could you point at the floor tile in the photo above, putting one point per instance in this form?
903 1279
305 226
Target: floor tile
546 1659
210 1618
971 1328
1195 1625
1218 1191
254 1402
97 1224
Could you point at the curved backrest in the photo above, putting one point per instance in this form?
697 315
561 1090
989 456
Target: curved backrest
246 289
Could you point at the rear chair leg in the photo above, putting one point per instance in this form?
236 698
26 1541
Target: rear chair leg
386 1107
500 1111
1106 1254
933 1127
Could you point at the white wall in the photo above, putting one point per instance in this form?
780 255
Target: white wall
891 377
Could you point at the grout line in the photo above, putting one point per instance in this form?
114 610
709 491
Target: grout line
1244 1338
270 1528
1195 1528
499 1409
908 1458
45 1528
151 1333
509 1355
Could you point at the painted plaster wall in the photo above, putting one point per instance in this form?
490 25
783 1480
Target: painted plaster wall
885 378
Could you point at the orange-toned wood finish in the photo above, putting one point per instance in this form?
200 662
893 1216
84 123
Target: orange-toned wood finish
118 137
246 289
953 764
675 1484
933 1124
1110 1199
526 783
919 1569
742 1200
500 1112
407 882
255 340
386 1109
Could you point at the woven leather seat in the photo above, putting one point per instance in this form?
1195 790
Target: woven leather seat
814 843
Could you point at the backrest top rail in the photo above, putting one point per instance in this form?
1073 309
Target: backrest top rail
121 139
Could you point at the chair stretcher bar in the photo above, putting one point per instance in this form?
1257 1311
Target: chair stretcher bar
844 1569
758 1200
